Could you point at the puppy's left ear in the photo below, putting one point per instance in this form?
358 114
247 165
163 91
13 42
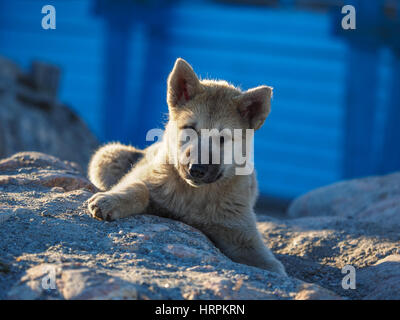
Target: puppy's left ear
254 105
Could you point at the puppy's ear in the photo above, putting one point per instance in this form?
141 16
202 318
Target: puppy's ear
183 84
254 105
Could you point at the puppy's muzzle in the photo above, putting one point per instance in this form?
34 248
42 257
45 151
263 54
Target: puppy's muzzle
205 173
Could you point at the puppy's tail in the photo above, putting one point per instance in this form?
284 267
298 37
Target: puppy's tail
110 163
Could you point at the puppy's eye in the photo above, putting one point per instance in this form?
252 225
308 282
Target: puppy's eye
188 127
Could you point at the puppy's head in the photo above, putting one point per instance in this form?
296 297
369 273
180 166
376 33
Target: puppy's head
207 121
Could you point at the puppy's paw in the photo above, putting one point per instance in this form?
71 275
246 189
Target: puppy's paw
104 206
276 266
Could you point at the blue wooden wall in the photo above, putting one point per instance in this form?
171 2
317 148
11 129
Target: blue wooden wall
300 147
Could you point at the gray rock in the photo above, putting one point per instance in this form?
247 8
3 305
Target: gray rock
315 249
372 198
354 222
32 119
52 249
382 279
46 231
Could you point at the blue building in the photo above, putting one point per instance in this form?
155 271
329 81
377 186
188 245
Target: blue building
336 104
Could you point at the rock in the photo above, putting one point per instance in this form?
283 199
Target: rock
46 232
54 174
315 249
353 223
373 198
32 119
313 292
382 279
52 248
35 283
70 282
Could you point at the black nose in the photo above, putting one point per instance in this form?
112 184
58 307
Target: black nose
198 170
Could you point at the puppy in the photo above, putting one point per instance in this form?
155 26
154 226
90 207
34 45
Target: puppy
170 180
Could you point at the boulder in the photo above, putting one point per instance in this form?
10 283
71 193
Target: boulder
355 222
316 249
382 279
52 248
31 117
371 198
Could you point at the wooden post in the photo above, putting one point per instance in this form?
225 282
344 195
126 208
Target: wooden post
361 95
157 64
121 17
361 101
116 69
391 147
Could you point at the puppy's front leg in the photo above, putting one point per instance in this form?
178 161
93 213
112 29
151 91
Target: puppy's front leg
123 200
246 246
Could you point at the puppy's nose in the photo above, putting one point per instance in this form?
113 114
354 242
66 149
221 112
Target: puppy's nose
198 170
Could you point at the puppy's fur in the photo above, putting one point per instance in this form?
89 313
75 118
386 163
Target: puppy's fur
153 181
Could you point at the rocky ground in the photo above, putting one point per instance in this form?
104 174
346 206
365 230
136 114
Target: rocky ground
47 234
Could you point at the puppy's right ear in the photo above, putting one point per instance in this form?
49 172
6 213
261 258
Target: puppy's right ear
183 84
